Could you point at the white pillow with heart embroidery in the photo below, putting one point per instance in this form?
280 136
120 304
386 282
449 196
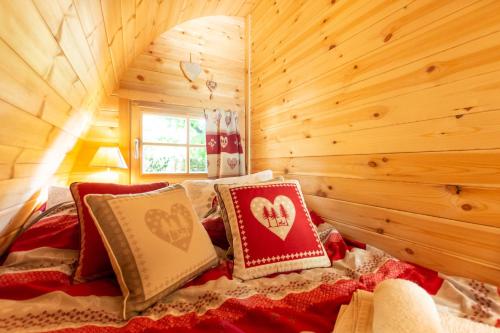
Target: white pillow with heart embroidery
154 241
271 229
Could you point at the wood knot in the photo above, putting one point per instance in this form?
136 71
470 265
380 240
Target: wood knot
376 114
337 102
466 207
308 136
331 47
140 77
387 220
334 142
409 251
456 189
321 193
355 67
286 171
458 116
430 69
379 231
372 164
284 70
388 37
294 116
290 81
385 159
330 187
194 86
158 60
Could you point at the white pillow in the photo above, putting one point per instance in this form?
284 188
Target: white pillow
154 242
202 192
57 195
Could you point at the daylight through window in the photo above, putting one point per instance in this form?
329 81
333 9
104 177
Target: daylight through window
173 144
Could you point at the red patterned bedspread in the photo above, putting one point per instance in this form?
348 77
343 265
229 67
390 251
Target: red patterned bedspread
36 293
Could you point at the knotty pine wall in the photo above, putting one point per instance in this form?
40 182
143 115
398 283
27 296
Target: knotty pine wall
59 59
388 112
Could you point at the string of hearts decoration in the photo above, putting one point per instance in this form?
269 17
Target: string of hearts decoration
211 85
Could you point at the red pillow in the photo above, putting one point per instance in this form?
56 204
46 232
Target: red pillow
271 229
214 225
93 261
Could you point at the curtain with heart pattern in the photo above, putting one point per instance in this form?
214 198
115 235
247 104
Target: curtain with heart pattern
225 155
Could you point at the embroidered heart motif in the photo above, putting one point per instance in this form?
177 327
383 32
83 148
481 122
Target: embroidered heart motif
223 141
278 217
232 162
175 228
190 70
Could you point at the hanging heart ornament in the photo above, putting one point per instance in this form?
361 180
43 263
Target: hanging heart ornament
211 85
190 70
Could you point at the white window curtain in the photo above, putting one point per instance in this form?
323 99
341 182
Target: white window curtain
225 155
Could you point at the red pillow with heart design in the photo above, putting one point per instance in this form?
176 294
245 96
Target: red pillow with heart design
271 229
94 262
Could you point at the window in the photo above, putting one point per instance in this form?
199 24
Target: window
173 144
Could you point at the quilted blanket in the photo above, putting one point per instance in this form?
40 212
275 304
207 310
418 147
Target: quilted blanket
36 293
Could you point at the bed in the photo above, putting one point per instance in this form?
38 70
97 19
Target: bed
37 294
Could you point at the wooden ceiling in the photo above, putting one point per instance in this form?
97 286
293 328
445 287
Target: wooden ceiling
216 43
82 47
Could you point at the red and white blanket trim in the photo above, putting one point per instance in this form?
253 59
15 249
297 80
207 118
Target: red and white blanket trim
37 295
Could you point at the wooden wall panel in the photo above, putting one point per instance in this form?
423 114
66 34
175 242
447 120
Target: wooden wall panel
387 112
216 43
105 130
59 59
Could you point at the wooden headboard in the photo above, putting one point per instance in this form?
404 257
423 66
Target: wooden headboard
388 112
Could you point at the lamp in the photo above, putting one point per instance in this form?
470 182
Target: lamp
108 157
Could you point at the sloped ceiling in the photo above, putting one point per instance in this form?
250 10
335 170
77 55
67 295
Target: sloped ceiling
59 58
216 43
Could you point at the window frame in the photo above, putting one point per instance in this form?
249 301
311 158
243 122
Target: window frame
187 116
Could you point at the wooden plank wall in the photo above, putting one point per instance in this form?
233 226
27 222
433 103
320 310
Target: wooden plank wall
59 58
109 125
388 112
